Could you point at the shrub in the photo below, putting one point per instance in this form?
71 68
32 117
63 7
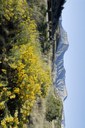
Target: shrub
53 108
24 75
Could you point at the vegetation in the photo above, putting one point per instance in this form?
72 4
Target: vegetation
39 14
54 109
24 75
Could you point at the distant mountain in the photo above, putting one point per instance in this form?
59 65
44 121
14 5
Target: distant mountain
59 70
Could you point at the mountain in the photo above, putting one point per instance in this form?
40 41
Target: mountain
59 70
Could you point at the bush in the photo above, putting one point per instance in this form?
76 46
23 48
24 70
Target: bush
24 75
39 14
53 108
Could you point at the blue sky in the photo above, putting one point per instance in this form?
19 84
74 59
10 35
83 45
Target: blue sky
74 61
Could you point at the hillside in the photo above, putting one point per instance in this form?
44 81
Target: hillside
32 45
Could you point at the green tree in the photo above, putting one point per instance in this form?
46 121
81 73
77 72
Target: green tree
54 108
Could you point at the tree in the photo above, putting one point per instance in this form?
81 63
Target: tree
54 108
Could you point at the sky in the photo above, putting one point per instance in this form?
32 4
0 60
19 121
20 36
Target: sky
74 23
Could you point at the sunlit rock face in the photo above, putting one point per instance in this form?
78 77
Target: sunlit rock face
59 70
